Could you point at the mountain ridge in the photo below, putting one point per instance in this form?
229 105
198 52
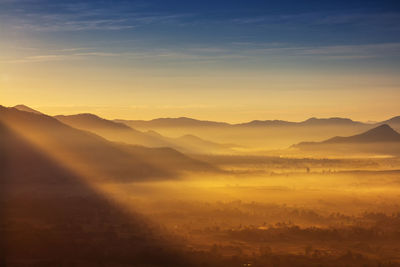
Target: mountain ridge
372 140
22 107
120 132
94 119
187 121
86 150
382 133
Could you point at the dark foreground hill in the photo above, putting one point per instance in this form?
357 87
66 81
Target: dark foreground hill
51 216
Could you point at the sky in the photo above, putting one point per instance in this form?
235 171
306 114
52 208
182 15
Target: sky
229 61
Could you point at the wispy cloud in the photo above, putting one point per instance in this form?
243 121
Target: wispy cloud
67 17
236 52
339 52
38 58
59 57
353 51
70 23
322 18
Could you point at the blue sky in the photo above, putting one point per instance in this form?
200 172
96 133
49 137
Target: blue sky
336 22
231 29
204 39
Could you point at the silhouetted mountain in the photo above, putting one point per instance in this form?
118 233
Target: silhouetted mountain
27 109
267 123
257 134
382 133
393 122
308 122
188 122
172 122
91 153
111 130
379 140
90 121
120 132
268 134
329 121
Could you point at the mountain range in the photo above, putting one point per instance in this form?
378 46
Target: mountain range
120 132
195 135
52 213
188 122
88 153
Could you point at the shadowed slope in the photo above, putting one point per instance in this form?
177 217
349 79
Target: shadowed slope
120 132
91 153
50 216
84 150
111 130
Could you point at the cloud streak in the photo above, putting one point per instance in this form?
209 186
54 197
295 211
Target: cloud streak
236 52
68 17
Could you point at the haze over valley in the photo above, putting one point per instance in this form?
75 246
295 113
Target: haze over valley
199 133
327 202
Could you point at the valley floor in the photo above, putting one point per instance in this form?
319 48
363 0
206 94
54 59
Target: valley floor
343 211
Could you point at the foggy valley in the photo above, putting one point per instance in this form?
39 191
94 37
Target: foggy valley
96 185
207 133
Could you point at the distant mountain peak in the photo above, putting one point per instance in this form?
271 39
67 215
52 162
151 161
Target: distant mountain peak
383 130
82 116
382 133
383 127
333 120
171 122
393 120
22 107
89 120
377 135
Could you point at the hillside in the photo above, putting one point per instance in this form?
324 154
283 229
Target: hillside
189 122
111 130
381 140
93 155
382 133
50 213
27 109
172 122
120 132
